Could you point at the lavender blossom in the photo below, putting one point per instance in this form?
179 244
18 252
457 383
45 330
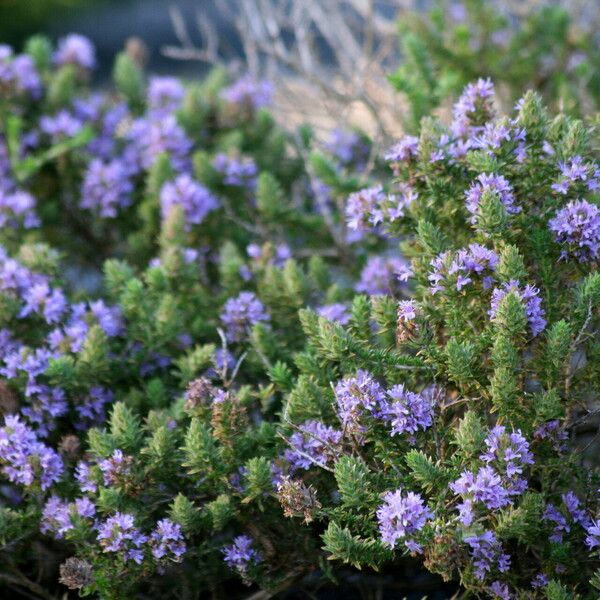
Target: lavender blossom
43 300
240 314
116 468
383 276
460 269
241 555
18 209
84 478
336 312
61 126
91 409
106 188
314 444
474 107
407 412
363 210
119 534
164 95
490 183
405 150
195 200
577 226
150 138
400 517
167 541
348 147
509 453
533 304
592 539
573 171
58 515
356 396
248 92
487 554
75 49
240 172
24 459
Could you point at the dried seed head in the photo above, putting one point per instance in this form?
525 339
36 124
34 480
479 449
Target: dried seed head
69 446
137 51
444 556
8 400
200 392
297 499
76 573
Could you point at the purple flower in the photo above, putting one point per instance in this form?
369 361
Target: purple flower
109 318
167 541
314 444
407 412
236 171
554 433
382 275
24 459
356 396
84 478
56 518
577 226
540 581
363 208
240 314
18 75
61 126
573 171
509 452
164 95
500 590
18 208
336 312
91 409
115 468
75 49
592 539
460 268
241 555
407 310
195 200
403 151
487 554
249 93
400 517
149 138
119 534
348 147
484 487
106 188
533 304
43 300
562 524
474 107
490 183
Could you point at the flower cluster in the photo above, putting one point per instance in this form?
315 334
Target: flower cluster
240 314
400 517
577 227
242 555
24 459
314 444
490 184
531 300
195 200
119 534
459 269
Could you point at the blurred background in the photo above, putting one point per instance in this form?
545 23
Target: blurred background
338 53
